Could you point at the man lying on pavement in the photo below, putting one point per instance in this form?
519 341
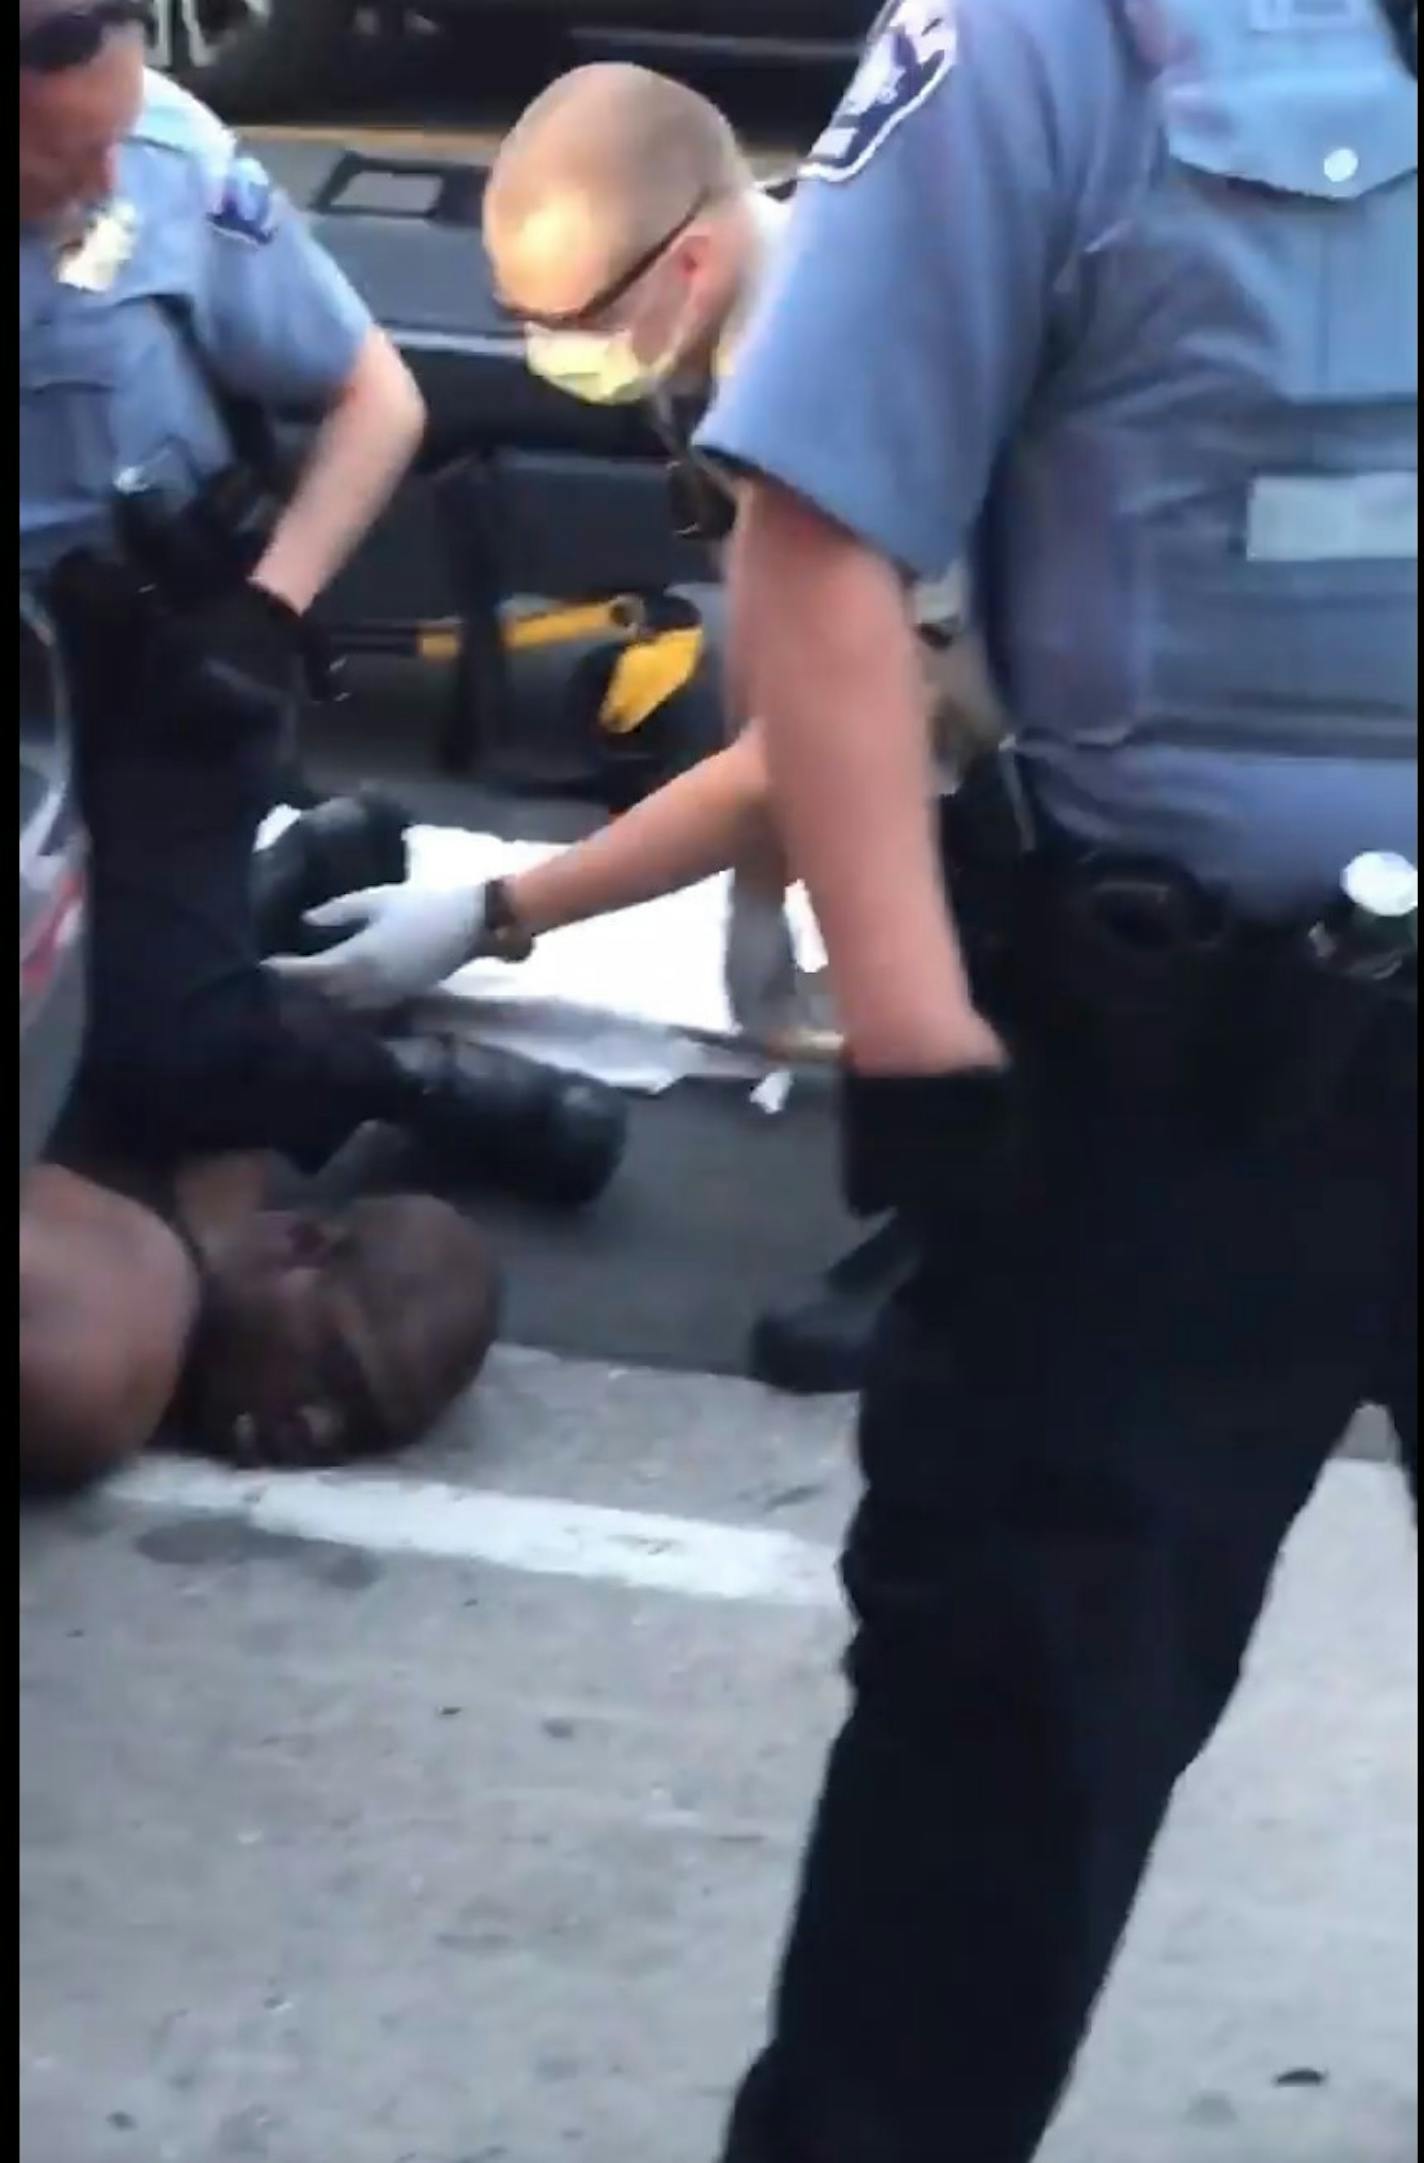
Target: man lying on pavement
264 1337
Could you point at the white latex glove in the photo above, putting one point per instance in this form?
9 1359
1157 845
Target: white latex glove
406 940
763 983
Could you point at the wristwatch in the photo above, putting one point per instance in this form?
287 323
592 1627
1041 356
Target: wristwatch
502 935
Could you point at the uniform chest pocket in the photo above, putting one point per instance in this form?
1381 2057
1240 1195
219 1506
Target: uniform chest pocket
77 345
1297 198
1263 445
67 378
105 385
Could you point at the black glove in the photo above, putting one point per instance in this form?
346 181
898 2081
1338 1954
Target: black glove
244 655
948 1152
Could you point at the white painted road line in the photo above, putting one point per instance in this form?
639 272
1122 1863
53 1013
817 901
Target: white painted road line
545 1538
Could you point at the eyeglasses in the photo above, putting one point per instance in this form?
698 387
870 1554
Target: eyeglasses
610 295
76 37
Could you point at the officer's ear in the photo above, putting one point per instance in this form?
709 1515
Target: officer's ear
691 254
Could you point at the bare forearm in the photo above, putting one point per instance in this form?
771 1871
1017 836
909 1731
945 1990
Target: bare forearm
697 825
824 653
361 452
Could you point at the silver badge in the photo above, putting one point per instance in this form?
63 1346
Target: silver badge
92 263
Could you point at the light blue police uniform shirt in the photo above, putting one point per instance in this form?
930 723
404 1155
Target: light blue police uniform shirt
907 343
107 383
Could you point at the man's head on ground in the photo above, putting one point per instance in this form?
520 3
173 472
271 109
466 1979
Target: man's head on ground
81 86
332 1335
618 222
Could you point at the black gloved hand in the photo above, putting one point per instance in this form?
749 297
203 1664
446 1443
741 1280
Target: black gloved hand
244 654
948 1152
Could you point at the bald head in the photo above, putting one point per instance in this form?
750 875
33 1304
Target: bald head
602 166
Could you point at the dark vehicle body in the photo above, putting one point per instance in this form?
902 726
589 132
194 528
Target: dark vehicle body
254 56
52 892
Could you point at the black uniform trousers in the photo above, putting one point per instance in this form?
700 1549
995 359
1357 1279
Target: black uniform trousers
192 1048
1082 1453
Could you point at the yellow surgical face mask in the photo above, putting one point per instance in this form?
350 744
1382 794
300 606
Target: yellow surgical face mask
600 367
603 367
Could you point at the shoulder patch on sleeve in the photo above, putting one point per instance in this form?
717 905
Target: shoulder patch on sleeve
911 51
241 199
248 206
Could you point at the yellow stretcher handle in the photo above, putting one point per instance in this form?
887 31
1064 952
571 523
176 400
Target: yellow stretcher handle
646 675
653 667
624 615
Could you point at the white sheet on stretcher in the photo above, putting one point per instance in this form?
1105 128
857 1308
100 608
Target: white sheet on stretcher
635 1000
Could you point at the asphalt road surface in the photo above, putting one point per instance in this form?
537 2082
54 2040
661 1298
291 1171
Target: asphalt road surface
448 1813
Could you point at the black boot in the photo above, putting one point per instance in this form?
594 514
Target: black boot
819 1345
491 1115
338 847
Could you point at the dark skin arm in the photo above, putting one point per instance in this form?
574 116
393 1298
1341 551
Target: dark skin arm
108 1299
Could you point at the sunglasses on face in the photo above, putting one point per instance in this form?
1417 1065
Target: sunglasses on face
76 37
608 296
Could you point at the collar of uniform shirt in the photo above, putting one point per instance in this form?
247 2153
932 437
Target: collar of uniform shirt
681 404
770 213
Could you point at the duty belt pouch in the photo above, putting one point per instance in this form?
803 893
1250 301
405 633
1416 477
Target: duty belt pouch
1132 967
992 867
193 552
1313 1030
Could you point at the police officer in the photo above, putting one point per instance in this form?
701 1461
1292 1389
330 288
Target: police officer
167 291
1126 289
627 234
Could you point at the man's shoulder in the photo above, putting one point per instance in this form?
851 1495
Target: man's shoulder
177 138
175 129
1053 71
1063 29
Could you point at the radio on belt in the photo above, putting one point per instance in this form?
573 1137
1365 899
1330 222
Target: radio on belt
1371 932
1360 962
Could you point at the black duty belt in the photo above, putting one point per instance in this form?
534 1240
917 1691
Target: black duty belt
1128 978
